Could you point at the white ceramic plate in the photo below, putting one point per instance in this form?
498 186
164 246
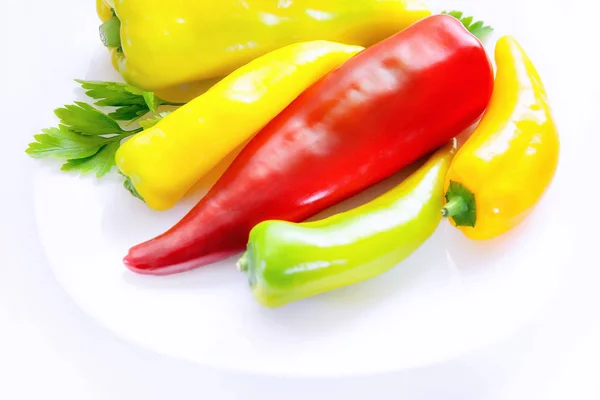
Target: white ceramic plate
450 297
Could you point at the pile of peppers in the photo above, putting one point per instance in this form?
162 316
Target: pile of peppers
317 101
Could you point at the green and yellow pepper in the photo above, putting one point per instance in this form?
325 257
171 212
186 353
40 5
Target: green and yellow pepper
503 170
160 44
165 161
286 262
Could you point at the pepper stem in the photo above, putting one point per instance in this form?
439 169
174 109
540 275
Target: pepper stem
110 32
454 207
460 205
243 264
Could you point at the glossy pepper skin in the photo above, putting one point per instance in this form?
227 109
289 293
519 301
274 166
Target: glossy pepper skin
503 170
104 10
286 262
180 93
169 43
165 161
380 111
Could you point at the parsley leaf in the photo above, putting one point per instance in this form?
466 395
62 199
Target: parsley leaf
113 94
478 28
131 102
85 119
63 143
152 101
128 113
87 138
100 163
150 122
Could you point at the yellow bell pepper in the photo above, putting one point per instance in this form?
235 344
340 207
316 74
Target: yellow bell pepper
162 44
503 170
165 161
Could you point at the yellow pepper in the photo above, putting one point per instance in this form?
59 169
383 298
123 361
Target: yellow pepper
104 10
503 170
165 161
164 44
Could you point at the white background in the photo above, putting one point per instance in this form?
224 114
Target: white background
50 349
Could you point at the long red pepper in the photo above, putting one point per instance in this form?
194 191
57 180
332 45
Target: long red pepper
379 112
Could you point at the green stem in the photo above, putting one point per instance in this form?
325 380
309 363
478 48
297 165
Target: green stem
461 205
454 207
126 134
243 264
168 103
110 32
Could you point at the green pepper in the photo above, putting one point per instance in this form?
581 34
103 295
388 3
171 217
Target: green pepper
286 262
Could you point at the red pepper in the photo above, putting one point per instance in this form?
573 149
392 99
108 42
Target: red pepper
382 110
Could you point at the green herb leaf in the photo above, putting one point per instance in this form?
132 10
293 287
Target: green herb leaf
467 21
152 101
461 205
100 163
85 119
150 122
113 94
129 113
128 184
87 138
477 28
131 102
63 143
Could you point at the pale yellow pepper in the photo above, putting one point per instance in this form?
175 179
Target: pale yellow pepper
165 161
503 170
165 44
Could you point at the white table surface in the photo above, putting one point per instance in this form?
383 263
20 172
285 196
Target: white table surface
50 349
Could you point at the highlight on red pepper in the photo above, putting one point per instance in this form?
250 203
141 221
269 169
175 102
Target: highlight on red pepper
377 113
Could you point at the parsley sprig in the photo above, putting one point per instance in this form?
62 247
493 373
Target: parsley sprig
86 138
84 150
131 103
477 28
